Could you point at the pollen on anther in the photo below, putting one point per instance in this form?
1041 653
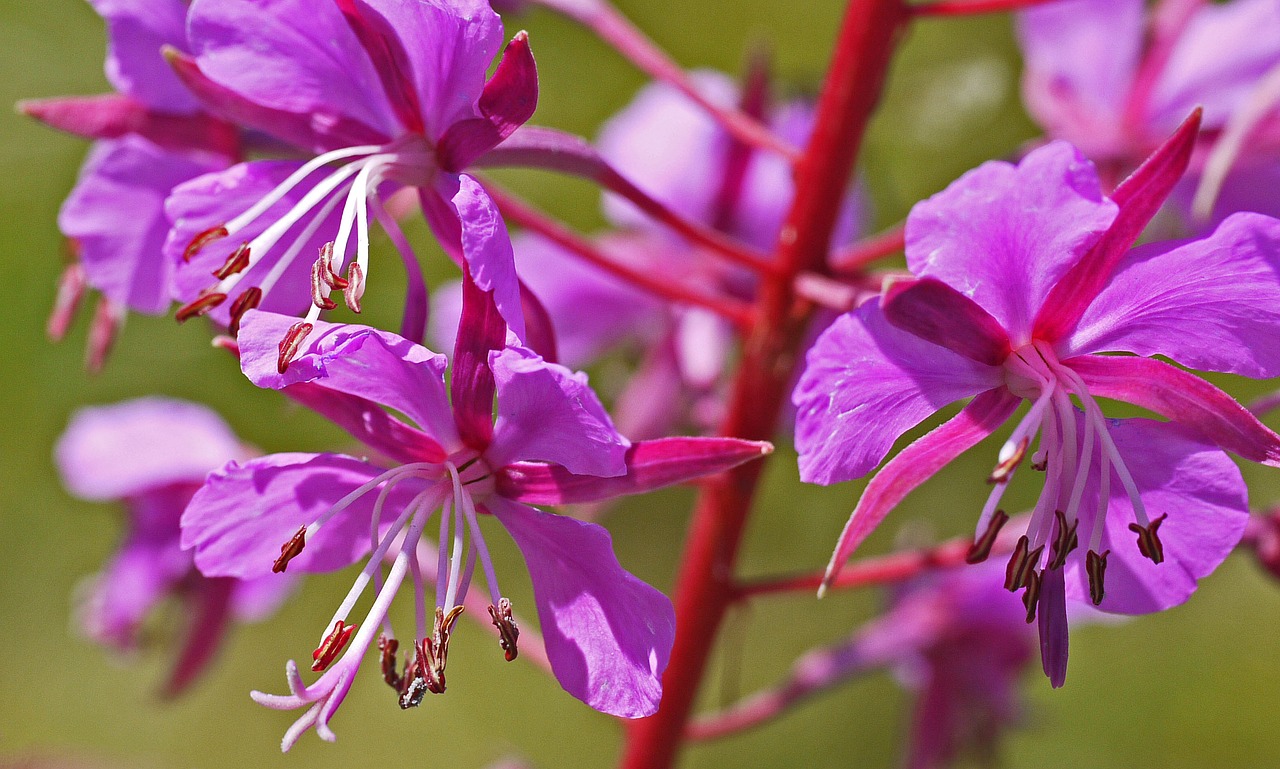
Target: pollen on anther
203 239
235 264
354 290
290 550
292 343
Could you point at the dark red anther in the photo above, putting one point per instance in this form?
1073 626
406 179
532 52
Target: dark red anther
201 305
235 264
290 550
508 630
332 644
387 648
292 343
1021 565
249 299
71 288
1096 567
981 547
413 684
203 239
1031 596
1064 541
1148 541
355 287
319 288
1005 468
330 276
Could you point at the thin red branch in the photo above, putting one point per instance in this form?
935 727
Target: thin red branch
969 7
857 256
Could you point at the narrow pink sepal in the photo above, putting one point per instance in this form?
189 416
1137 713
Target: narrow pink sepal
650 465
112 115
1183 398
938 313
1139 197
915 464
205 632
390 61
509 99
471 389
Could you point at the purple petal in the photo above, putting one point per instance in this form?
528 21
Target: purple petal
254 600
1003 235
651 465
208 602
116 216
508 101
136 579
937 313
129 448
243 514
1177 473
480 332
1211 304
291 55
1182 397
548 413
866 383
917 463
368 423
136 31
1081 59
485 245
378 366
608 635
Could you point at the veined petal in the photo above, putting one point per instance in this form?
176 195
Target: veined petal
936 312
508 101
129 448
548 413
1177 473
651 465
866 383
368 423
136 31
378 366
1003 235
1211 304
244 513
916 463
1182 397
608 634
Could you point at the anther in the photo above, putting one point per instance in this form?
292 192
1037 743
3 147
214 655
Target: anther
355 287
1096 567
508 630
201 305
203 239
235 264
1148 542
292 343
1008 464
332 644
71 289
1065 541
981 547
249 299
330 277
1040 461
290 550
433 652
1031 596
387 648
1021 565
320 289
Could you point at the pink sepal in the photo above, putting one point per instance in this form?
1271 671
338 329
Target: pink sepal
507 102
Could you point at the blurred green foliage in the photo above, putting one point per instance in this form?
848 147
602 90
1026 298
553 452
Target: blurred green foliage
1193 687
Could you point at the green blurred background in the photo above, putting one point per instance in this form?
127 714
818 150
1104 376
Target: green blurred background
1192 687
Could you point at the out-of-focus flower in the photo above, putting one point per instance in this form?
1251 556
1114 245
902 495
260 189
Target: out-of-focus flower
1024 277
153 454
1113 78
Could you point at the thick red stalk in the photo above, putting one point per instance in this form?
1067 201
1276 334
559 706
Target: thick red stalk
967 7
705 587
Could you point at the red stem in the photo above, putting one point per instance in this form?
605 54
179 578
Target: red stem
705 587
967 7
865 251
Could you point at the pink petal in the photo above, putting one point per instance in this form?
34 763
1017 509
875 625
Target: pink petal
390 60
136 31
937 313
508 101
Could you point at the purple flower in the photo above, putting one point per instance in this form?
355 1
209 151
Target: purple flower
1113 78
1024 277
607 633
387 96
154 453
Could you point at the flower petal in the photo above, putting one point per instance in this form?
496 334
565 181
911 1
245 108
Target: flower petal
1211 304
866 383
651 465
136 579
129 448
936 312
548 413
1003 235
136 31
608 634
508 101
485 245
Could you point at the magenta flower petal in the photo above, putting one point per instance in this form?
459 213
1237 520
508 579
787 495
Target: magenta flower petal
368 423
481 330
651 465
244 513
1203 494
486 246
116 216
136 31
608 634
1211 304
357 360
165 441
866 383
140 574
548 413
936 312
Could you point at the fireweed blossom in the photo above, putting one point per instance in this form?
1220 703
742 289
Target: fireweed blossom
1024 276
1113 78
387 95
607 634
152 135
153 454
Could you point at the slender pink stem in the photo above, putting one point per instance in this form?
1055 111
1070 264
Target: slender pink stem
968 7
865 251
